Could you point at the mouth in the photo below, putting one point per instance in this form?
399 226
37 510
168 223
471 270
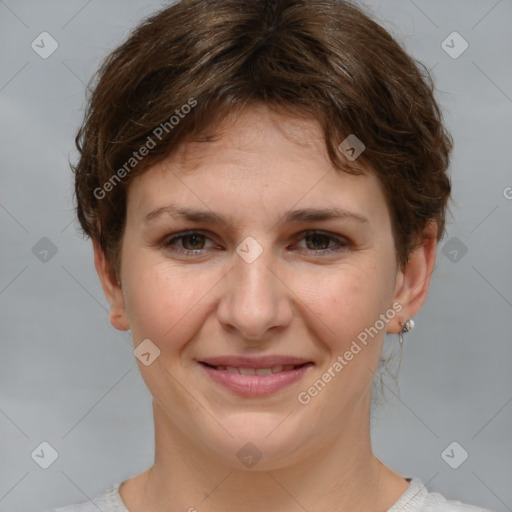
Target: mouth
250 378
278 368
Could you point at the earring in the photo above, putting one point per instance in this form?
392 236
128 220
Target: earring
406 327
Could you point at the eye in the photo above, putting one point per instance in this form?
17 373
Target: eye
321 240
192 243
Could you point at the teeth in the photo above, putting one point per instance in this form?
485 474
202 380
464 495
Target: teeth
257 371
247 371
264 371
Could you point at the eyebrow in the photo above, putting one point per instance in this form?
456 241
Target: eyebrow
293 216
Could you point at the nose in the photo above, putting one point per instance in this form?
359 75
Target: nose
254 300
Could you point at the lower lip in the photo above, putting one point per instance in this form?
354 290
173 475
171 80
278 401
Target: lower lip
255 385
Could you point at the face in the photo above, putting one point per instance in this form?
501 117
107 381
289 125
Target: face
258 283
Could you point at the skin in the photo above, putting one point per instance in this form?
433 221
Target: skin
291 300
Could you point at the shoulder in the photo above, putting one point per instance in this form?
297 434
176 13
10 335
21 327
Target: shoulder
107 501
418 499
78 507
436 502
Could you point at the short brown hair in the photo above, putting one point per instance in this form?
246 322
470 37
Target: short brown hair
325 59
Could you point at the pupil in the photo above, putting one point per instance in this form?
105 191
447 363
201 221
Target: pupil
315 238
194 238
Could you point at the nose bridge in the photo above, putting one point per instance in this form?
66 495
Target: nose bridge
251 267
254 299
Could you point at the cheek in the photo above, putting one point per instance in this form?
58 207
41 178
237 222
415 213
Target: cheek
348 301
163 300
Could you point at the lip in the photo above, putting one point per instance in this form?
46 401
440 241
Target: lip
254 362
255 385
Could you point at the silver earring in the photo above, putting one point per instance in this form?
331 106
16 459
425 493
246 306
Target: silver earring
406 327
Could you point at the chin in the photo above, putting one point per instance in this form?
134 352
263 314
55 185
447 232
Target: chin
261 441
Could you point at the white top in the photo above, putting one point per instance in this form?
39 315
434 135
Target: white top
415 499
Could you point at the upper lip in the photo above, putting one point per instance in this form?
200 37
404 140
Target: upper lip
254 362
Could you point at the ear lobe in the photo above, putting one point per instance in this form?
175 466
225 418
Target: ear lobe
112 290
413 281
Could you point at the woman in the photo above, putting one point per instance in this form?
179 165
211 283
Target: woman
264 184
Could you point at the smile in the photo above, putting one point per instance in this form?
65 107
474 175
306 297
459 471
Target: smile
258 371
255 382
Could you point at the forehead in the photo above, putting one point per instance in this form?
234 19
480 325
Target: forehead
255 155
250 131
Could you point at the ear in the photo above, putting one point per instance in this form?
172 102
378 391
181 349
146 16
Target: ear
413 281
112 290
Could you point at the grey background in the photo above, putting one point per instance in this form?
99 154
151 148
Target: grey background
70 379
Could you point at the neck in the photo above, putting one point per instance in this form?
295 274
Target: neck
338 476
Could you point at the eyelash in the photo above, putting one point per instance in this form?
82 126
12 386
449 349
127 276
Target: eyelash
343 244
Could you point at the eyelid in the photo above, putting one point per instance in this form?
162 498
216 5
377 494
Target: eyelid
182 234
343 242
